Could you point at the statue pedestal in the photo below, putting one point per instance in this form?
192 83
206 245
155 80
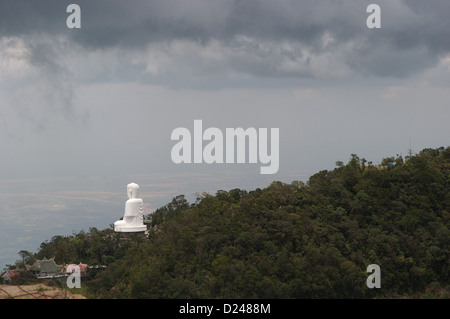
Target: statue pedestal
123 227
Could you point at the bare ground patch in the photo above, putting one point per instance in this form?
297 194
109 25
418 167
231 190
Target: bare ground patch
38 291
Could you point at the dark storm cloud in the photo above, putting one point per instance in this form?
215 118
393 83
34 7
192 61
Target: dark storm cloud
413 36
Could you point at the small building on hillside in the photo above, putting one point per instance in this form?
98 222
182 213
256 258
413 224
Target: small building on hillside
69 269
391 164
46 268
8 276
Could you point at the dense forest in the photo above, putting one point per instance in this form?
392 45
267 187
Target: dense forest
298 240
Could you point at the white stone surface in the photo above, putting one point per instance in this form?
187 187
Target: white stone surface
133 219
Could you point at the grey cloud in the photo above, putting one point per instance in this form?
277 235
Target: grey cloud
53 77
413 35
38 88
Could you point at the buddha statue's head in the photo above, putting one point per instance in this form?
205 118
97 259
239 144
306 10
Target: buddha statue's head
133 190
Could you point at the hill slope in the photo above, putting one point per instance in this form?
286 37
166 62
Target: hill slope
311 240
297 240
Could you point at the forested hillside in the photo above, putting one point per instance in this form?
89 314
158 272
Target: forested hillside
297 240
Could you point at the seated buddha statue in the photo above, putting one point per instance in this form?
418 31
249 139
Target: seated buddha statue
134 212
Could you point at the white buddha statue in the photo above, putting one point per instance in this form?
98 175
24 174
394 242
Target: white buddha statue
134 212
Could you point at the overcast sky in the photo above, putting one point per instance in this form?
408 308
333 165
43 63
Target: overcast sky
101 101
